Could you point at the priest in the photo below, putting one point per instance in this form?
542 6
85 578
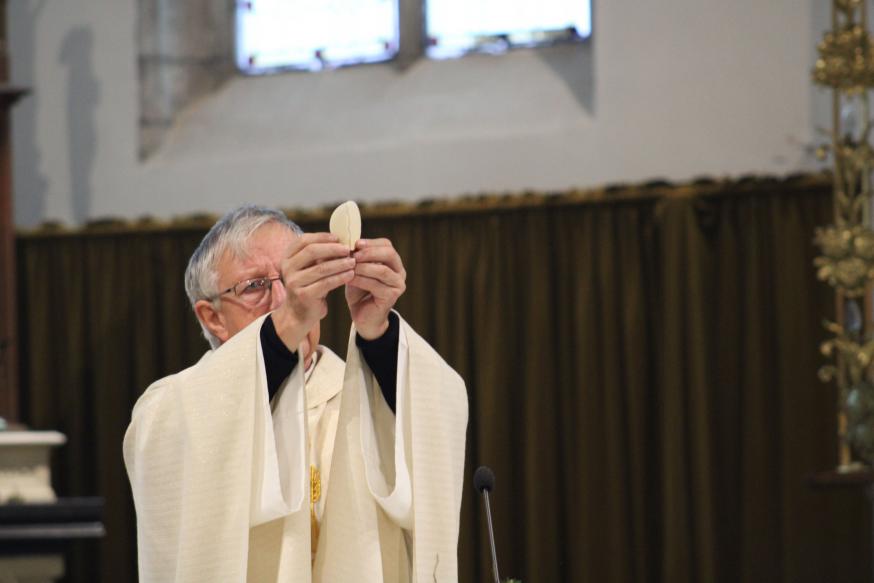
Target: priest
273 460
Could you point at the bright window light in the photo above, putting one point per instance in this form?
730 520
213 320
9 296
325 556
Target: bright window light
455 27
314 34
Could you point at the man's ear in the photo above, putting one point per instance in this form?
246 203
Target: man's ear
212 319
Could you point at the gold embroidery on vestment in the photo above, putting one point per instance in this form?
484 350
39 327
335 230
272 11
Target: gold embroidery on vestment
315 494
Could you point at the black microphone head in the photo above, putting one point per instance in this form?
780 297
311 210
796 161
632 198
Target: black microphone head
484 479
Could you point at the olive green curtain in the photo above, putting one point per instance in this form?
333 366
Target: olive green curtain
641 366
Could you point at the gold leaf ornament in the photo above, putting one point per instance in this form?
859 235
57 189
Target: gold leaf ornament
864 244
851 272
845 61
827 373
849 5
835 242
345 223
847 261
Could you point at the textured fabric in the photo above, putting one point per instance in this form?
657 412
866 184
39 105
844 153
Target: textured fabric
279 361
190 468
381 355
434 448
212 473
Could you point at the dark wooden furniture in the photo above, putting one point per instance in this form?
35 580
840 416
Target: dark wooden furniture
861 479
31 527
36 539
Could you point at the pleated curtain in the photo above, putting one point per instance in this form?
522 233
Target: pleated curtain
641 367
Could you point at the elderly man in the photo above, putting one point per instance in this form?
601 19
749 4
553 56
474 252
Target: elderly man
273 460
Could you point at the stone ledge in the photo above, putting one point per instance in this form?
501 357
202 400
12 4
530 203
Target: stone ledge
19 438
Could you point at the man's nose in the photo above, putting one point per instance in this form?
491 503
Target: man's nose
277 294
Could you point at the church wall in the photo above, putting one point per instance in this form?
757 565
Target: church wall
669 90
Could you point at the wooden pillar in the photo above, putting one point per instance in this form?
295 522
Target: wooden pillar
8 344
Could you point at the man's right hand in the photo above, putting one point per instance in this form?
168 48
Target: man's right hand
316 264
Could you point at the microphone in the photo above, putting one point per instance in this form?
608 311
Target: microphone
484 482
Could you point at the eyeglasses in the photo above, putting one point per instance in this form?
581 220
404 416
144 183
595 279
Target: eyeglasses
252 292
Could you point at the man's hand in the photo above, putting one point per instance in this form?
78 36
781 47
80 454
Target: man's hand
380 279
315 265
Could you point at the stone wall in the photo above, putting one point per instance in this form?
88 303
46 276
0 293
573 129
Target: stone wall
671 90
185 51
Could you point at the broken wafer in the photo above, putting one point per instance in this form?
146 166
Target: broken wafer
346 223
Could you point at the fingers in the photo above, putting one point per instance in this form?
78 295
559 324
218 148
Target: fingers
381 273
321 271
318 290
314 257
380 291
305 305
315 265
380 279
316 281
310 238
379 251
381 242
307 254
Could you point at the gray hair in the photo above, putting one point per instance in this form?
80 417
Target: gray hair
230 233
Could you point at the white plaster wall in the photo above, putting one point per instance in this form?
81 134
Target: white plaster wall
673 90
77 130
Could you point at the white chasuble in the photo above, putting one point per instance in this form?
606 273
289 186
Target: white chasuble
221 482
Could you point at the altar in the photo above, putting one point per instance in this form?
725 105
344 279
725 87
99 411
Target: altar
36 526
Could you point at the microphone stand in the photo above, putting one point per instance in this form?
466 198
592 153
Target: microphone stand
491 537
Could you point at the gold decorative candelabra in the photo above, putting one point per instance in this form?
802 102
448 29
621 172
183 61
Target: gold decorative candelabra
846 66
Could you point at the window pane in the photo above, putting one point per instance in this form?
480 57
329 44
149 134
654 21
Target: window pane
313 34
458 26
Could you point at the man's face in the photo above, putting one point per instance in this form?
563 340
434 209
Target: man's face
266 249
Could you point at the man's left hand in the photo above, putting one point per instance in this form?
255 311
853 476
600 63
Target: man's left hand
380 279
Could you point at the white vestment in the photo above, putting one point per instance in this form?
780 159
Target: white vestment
221 483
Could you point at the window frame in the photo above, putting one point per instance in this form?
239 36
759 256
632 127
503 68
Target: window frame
413 42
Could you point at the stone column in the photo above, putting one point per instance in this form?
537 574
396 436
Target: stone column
185 52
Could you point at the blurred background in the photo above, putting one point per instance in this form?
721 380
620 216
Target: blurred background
607 213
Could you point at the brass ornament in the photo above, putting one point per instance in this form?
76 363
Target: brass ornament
847 260
845 60
846 66
855 356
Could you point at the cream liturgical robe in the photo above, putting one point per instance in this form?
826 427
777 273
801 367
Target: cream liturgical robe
221 478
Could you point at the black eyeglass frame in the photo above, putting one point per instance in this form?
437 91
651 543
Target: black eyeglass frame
268 285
